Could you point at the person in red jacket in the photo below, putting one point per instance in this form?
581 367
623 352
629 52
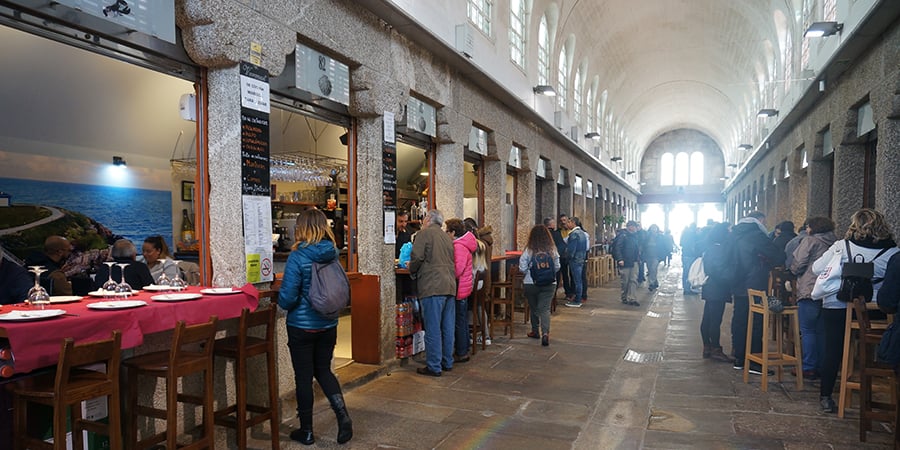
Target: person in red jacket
464 245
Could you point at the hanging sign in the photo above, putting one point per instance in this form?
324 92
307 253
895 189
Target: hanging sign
322 75
153 17
420 116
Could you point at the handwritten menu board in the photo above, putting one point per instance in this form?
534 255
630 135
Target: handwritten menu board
254 130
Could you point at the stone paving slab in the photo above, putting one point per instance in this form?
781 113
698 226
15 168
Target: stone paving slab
580 393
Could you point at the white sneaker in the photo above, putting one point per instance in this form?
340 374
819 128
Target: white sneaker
487 341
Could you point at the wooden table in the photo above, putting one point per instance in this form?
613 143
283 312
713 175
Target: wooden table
36 344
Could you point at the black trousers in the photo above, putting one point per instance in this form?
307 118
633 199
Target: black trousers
311 354
833 347
711 325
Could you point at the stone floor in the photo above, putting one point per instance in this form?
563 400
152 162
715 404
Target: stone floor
582 393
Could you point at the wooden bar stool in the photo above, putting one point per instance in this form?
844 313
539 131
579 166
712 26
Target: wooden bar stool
181 360
240 348
849 378
869 369
64 391
776 357
510 289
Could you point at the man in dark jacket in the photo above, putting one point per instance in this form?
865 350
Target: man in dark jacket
755 255
688 255
14 281
56 252
626 251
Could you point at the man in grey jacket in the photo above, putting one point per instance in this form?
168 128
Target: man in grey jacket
431 264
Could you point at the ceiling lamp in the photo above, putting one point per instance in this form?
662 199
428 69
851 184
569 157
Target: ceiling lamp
119 161
745 147
768 112
732 165
615 158
630 172
424 170
545 89
592 135
723 178
821 29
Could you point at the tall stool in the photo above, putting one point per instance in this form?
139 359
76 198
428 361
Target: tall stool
64 391
850 372
777 357
182 359
510 289
869 409
240 348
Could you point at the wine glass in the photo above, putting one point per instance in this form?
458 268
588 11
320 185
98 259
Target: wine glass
109 287
177 283
123 289
38 296
163 279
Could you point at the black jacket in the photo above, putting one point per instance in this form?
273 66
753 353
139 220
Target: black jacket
560 244
716 263
755 255
889 292
626 248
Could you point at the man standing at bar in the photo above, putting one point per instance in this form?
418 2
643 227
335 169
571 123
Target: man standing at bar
563 226
403 235
576 250
431 264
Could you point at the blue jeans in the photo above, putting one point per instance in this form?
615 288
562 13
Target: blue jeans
808 313
576 268
439 313
462 328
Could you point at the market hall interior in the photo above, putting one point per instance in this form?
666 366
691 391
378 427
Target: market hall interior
506 111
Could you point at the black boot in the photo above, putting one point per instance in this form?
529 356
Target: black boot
304 434
345 425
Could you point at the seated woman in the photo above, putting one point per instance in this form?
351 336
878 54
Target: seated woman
156 256
136 273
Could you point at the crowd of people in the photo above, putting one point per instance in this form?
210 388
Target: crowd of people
743 256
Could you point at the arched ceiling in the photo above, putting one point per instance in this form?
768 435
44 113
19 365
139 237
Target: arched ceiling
670 64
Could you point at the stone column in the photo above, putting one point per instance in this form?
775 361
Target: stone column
371 95
849 171
494 191
452 133
887 172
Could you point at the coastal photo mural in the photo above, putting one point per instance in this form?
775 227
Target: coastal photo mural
91 204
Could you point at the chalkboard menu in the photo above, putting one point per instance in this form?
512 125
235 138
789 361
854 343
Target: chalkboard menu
389 174
389 163
254 130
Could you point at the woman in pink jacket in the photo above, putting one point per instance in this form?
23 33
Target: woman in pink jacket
464 245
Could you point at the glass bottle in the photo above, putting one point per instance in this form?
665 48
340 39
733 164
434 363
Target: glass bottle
187 227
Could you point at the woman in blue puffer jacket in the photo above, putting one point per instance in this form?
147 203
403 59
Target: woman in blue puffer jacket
311 337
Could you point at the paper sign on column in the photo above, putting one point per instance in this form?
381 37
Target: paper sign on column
258 237
389 226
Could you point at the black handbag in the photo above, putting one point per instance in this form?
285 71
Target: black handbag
775 304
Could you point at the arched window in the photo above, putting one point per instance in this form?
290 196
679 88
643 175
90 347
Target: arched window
696 168
543 52
562 81
682 169
518 15
666 169
577 100
479 12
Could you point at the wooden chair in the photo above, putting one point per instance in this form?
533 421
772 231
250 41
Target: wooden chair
850 376
777 357
510 288
181 360
64 391
870 409
479 298
241 348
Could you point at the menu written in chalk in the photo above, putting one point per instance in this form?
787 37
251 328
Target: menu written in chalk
389 163
254 131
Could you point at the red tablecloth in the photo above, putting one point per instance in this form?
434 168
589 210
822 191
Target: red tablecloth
36 344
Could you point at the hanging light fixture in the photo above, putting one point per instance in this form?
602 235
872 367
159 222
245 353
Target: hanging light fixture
424 170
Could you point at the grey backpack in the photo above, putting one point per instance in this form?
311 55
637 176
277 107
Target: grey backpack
329 288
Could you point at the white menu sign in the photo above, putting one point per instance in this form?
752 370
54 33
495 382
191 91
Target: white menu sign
258 238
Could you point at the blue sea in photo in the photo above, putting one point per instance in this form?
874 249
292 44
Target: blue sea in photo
129 212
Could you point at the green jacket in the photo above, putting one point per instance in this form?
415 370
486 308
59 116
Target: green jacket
431 262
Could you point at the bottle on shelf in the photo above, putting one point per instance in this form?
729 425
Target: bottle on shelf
6 354
187 227
6 369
